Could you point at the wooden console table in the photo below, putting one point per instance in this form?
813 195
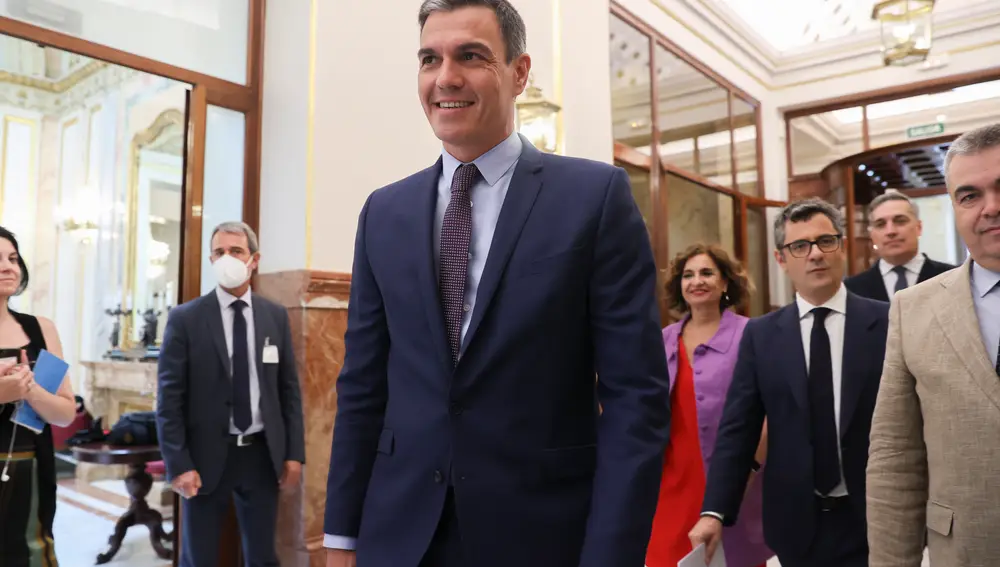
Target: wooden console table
138 483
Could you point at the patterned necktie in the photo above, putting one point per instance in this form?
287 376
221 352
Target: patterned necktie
241 369
900 278
456 234
823 421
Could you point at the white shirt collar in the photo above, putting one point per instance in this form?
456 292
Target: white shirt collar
914 265
492 165
983 280
226 299
836 303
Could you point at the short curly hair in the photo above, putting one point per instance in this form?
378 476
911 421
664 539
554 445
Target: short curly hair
738 289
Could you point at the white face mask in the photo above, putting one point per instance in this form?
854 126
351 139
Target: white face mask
230 272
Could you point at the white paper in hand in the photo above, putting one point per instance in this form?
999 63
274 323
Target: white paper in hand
697 558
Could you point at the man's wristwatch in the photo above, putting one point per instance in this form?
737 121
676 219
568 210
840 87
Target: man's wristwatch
755 467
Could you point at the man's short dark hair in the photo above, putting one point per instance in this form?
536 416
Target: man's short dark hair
515 37
802 211
892 196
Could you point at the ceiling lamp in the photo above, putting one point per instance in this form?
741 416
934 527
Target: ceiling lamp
907 30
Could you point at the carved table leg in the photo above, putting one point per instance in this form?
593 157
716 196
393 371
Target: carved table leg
138 483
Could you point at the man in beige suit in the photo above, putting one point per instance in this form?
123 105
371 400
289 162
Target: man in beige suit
934 463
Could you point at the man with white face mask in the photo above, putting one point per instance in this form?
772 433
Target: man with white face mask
229 410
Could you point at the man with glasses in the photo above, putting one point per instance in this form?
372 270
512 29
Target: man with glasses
812 369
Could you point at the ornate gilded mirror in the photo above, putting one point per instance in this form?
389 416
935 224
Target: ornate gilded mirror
152 253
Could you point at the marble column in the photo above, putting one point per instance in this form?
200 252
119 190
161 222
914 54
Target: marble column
317 310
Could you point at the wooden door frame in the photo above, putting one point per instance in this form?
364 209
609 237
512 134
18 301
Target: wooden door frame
205 90
247 99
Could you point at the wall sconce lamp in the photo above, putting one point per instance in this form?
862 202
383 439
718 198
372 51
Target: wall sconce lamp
80 218
907 30
537 118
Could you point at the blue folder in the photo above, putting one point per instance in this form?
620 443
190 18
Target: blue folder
50 370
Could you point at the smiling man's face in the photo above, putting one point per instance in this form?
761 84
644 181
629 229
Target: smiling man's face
465 83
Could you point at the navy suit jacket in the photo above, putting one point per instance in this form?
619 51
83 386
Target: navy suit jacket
195 393
871 284
541 476
770 380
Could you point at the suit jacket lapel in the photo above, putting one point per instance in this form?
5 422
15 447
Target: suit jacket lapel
877 283
857 363
790 334
213 317
422 213
927 271
957 315
260 331
524 188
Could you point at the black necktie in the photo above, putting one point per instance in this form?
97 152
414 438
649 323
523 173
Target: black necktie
456 234
241 369
826 460
998 360
900 278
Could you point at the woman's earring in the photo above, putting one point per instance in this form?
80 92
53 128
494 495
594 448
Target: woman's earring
725 296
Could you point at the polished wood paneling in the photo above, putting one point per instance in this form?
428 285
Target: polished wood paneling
194 190
805 186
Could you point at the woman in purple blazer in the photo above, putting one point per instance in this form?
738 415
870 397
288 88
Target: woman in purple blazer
703 283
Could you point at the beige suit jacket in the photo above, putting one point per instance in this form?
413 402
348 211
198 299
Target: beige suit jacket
934 460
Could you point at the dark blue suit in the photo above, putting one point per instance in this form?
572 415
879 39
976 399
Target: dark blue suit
539 476
194 407
770 380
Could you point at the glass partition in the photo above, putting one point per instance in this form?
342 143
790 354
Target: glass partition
631 89
698 214
222 198
207 36
745 146
694 119
820 139
758 260
639 179
685 131
947 113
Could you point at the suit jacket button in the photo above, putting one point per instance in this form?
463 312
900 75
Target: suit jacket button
438 477
456 408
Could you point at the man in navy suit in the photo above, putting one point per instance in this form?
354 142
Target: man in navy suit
812 369
895 229
229 409
504 396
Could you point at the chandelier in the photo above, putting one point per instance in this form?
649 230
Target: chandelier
907 30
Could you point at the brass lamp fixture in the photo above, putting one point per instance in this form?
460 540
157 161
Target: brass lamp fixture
537 118
907 30
80 217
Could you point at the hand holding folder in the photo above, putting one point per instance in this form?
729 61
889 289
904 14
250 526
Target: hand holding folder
50 371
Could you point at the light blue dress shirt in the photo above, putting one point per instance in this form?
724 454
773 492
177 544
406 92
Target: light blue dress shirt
496 168
986 299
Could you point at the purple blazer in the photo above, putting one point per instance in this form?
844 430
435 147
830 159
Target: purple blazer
713 364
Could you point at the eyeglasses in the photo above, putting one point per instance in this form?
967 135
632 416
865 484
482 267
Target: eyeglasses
801 248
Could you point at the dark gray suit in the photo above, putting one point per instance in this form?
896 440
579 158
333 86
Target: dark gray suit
194 410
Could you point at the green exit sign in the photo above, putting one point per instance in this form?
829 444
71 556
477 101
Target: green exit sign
925 130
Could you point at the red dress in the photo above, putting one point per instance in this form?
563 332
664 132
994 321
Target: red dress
683 486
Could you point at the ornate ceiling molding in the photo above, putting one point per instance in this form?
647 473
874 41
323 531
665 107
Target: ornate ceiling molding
70 93
720 29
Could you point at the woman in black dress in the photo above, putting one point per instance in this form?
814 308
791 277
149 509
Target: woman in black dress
28 479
